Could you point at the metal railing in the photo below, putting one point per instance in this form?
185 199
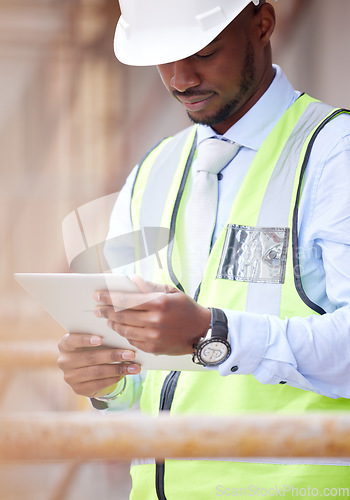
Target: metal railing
87 436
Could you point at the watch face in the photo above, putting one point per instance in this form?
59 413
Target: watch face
214 352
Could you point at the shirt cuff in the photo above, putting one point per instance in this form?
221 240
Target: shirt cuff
248 336
103 402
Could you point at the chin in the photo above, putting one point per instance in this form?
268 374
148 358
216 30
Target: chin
202 119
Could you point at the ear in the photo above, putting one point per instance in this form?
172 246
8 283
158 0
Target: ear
266 21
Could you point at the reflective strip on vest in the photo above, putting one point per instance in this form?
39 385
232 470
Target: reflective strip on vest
151 212
275 209
163 172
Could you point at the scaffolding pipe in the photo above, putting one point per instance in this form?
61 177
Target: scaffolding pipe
90 436
19 355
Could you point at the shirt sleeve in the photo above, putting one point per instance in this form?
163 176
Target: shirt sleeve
127 396
310 353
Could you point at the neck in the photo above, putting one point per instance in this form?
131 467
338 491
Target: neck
265 82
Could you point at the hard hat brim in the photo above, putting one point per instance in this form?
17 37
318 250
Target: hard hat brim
166 43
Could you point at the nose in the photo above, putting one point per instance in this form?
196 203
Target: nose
185 75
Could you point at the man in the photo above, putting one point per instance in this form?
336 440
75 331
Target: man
279 266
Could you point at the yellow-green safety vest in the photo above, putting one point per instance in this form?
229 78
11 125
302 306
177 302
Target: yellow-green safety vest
265 208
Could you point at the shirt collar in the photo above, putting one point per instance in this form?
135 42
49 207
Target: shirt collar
254 127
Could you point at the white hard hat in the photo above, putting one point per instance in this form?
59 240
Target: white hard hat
152 32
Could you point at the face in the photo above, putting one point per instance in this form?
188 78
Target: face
218 84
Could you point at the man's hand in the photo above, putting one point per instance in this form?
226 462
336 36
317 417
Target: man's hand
90 371
159 319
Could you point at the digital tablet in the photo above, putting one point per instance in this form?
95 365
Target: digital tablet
68 298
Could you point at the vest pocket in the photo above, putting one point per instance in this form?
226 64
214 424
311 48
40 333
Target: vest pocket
254 254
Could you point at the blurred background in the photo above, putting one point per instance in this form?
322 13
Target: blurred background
73 122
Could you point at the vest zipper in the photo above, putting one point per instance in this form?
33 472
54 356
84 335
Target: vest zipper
166 399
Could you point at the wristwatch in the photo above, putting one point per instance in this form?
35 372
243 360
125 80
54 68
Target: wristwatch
214 348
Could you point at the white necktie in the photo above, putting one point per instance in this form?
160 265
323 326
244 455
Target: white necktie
212 156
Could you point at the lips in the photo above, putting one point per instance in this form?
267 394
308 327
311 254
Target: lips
195 103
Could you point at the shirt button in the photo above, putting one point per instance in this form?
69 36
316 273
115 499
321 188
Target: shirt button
220 176
234 369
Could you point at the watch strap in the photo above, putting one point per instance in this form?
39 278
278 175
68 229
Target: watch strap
218 323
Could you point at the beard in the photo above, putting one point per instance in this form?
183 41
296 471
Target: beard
247 81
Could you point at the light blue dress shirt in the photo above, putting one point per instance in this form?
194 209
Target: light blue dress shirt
311 353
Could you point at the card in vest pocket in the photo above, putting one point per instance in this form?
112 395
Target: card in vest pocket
254 254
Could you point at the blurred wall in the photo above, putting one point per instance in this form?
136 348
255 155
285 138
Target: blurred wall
314 49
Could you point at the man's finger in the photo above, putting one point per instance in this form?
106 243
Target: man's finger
149 287
101 372
74 341
126 300
81 358
133 300
93 387
129 317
